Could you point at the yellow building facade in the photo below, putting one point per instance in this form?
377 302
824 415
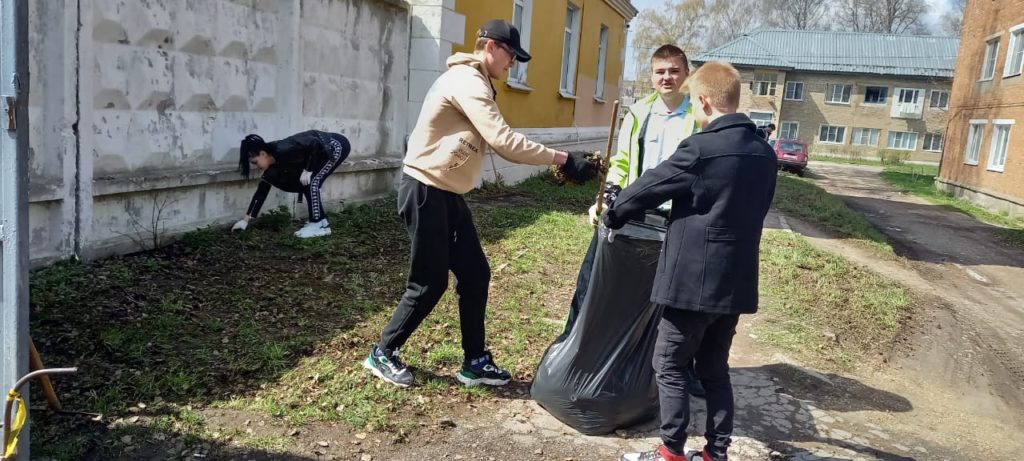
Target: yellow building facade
578 50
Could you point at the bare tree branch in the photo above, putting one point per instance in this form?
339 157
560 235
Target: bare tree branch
729 19
883 16
954 18
677 22
798 14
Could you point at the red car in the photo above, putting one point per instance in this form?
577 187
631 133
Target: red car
792 155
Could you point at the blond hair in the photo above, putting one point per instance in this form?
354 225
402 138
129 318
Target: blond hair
719 83
481 43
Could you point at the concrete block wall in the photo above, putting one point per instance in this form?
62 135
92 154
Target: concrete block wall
144 104
585 139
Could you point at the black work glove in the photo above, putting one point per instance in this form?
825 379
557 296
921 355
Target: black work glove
579 167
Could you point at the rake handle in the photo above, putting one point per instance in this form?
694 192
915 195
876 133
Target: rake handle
607 157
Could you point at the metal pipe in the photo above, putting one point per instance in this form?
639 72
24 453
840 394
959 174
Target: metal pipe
9 405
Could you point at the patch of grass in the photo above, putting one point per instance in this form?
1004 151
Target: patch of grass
446 354
63 447
821 306
924 168
269 442
201 239
803 199
922 184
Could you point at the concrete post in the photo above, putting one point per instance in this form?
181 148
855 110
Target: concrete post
14 197
435 28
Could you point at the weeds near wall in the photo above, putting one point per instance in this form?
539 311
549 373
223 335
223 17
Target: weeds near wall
893 157
147 232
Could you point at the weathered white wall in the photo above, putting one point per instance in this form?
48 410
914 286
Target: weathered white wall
144 104
139 105
585 139
435 26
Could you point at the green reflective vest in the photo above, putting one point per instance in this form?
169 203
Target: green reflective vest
626 163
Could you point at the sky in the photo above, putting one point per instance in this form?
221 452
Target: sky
939 8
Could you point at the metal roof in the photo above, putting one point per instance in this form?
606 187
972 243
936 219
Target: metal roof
841 52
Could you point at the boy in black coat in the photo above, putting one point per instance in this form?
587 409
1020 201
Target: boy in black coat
721 182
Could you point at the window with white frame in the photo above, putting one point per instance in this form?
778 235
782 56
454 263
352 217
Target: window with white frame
761 118
865 137
908 95
831 134
988 68
789 130
794 91
902 140
907 103
972 153
570 50
1015 53
764 83
939 100
602 60
932 142
876 95
838 93
522 14
1000 142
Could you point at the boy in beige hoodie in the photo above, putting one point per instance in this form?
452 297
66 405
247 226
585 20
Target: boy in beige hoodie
458 121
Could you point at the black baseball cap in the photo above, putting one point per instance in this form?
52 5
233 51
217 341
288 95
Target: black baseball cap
501 31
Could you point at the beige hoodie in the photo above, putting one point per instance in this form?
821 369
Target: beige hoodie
458 120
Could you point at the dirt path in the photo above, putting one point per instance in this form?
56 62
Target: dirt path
785 411
975 343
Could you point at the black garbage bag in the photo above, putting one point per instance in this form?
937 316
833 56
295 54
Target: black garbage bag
598 376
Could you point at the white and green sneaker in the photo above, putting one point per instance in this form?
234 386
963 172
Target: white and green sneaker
388 367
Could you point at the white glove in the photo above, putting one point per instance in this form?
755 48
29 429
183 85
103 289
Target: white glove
605 233
240 225
304 178
595 218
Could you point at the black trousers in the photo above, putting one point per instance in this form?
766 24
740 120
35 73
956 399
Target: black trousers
443 238
337 148
682 337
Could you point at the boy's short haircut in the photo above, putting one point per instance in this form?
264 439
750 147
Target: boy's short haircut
481 42
719 82
666 52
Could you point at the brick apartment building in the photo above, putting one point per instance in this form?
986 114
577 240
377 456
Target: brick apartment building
846 93
984 158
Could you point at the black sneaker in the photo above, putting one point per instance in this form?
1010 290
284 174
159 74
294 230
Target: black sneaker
388 367
482 370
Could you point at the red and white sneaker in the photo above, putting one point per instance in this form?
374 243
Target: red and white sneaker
660 454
